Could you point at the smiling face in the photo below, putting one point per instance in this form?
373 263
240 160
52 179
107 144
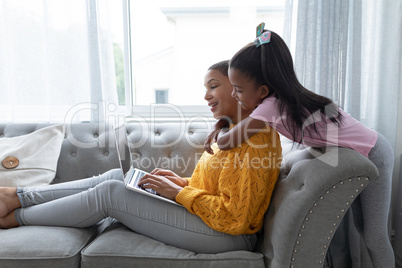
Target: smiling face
218 95
245 90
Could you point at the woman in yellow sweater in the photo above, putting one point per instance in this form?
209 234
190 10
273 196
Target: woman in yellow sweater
224 200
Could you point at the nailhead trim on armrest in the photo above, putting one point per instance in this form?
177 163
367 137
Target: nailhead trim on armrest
335 223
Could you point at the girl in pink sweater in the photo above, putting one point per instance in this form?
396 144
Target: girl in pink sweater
264 81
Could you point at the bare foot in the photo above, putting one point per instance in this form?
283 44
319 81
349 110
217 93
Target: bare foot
8 221
8 200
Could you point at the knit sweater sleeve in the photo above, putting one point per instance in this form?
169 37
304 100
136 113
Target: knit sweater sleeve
231 190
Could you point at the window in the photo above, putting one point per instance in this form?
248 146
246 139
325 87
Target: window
116 21
172 43
161 96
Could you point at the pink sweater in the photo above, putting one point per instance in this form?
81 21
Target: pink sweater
351 134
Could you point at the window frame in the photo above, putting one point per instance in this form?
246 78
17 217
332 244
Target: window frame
143 110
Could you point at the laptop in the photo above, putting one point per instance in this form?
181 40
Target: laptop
133 176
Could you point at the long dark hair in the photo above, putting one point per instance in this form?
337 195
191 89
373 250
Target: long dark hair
271 64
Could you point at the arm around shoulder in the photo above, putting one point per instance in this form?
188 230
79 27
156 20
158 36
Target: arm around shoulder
246 128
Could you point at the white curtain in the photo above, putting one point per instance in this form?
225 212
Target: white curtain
349 51
56 60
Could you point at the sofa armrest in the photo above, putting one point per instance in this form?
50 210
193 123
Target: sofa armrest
311 198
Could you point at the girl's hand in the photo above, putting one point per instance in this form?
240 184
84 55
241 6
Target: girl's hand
213 136
161 184
209 140
170 175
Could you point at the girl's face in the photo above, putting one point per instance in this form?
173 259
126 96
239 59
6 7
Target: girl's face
218 95
245 90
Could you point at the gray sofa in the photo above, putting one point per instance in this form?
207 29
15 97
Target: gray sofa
312 196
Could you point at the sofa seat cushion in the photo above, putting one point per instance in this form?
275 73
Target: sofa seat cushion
43 246
121 247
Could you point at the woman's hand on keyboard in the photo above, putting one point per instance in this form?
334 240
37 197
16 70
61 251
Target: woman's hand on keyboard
161 184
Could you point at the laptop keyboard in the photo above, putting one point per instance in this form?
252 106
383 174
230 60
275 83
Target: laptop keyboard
141 174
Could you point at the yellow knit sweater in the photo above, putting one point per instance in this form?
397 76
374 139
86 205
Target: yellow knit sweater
231 190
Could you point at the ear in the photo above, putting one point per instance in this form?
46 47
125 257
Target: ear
264 91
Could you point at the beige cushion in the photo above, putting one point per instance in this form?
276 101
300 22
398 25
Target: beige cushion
31 159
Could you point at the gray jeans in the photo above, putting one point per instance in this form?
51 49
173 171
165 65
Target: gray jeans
85 202
375 205
363 240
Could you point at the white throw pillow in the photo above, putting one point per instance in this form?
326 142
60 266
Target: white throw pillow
30 160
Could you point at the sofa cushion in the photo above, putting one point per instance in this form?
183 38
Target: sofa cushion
31 159
43 246
120 247
88 150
